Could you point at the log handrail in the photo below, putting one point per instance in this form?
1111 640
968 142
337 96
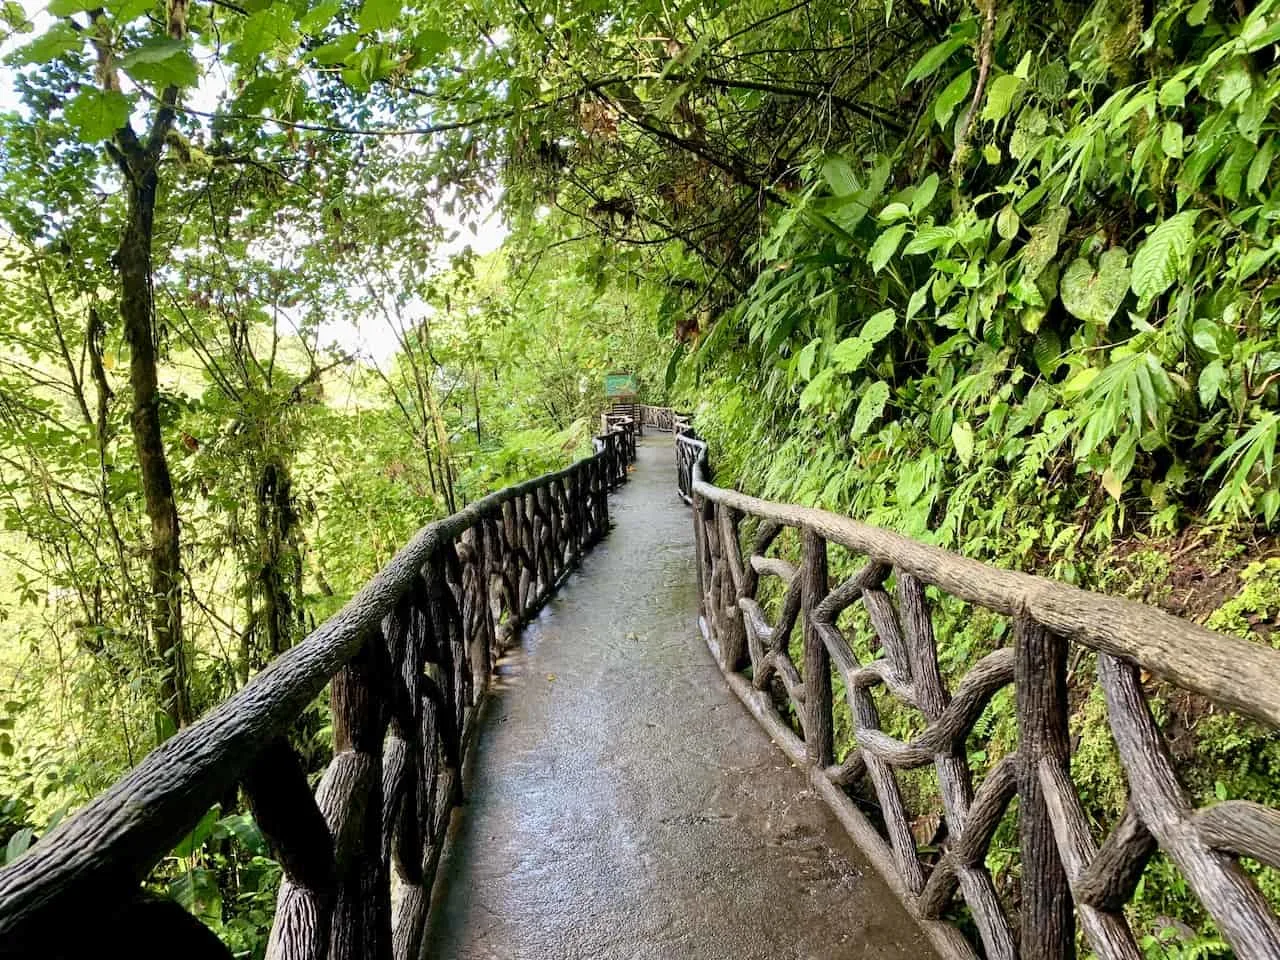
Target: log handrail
1066 877
409 657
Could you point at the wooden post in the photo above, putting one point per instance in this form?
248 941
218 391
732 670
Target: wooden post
362 912
819 737
1040 682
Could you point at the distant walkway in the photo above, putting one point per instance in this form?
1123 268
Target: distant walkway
625 805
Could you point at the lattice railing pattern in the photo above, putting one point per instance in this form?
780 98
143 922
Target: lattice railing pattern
662 419
409 658
1066 877
689 451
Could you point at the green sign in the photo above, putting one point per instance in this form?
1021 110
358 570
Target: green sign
619 385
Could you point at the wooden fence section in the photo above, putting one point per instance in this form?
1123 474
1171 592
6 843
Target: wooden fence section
409 658
662 419
1067 877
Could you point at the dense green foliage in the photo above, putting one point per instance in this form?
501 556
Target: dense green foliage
995 274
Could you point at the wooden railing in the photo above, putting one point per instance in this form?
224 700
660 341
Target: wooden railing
409 657
662 419
1066 876
618 423
690 451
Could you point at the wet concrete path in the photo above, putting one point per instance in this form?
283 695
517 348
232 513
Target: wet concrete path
623 803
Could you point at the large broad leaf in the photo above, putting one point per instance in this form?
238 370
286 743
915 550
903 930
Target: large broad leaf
65 8
840 176
59 39
194 840
97 114
879 326
929 238
1046 350
161 60
885 247
1043 244
197 891
951 97
848 355
378 14
816 392
1000 97
870 406
264 30
1095 295
1162 255
928 65
923 194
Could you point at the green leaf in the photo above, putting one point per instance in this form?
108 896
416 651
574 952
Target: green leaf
59 39
1173 94
1260 166
879 326
319 17
840 176
804 360
1000 96
378 15
885 247
1171 139
962 440
1096 296
1047 351
928 239
816 391
936 56
1162 255
954 94
245 829
870 407
19 844
197 891
673 366
1043 244
161 60
917 301
892 212
1211 337
924 194
1007 222
848 355
265 30
194 840
65 8
1198 13
1209 385
97 114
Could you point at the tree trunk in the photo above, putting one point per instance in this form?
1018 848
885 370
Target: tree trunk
137 310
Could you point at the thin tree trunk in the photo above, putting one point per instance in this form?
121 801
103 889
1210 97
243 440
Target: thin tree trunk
137 310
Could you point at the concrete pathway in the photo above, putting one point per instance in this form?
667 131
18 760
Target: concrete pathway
623 804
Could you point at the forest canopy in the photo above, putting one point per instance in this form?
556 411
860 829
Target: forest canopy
282 281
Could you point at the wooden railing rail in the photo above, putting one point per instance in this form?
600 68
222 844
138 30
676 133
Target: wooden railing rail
409 657
620 429
662 419
1066 876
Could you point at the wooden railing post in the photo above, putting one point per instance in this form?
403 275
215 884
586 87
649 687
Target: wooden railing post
361 927
819 736
285 810
1040 684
